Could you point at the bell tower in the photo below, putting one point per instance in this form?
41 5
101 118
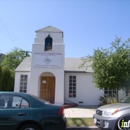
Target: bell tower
47 65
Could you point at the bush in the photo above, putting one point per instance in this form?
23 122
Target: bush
7 80
107 99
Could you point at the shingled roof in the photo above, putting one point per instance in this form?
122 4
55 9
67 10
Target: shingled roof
70 65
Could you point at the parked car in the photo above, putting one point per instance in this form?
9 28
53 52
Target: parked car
20 111
113 116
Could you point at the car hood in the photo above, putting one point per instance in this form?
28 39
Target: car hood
118 106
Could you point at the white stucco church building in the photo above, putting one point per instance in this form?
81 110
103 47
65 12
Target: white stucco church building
49 75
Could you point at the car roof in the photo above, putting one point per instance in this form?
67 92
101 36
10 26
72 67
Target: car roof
11 92
15 93
32 100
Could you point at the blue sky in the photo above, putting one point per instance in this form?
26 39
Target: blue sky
87 24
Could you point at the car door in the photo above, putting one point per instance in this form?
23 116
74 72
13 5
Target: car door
13 110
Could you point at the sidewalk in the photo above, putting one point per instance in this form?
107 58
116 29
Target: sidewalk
80 112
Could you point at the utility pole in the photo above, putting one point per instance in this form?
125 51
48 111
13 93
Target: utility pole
26 52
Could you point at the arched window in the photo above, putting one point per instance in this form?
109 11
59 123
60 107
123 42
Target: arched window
48 43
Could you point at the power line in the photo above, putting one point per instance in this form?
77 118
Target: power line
6 29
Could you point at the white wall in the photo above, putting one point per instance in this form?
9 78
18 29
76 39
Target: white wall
121 94
17 80
86 92
34 87
40 38
58 47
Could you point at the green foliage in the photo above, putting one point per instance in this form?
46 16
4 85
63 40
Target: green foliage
9 62
1 57
0 76
6 79
12 77
111 66
14 58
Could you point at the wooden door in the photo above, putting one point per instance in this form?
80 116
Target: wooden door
47 89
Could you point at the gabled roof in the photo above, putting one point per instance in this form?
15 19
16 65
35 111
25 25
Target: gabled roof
73 64
50 29
70 65
25 65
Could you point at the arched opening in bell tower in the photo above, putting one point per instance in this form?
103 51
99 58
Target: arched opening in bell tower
48 43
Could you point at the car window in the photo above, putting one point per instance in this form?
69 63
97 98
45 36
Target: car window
39 99
4 99
15 102
9 101
24 104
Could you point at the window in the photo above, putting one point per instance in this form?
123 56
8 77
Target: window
15 101
9 101
48 43
23 83
108 92
72 86
24 104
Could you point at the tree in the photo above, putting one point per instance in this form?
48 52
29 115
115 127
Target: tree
0 76
12 77
6 79
14 58
1 57
9 63
111 66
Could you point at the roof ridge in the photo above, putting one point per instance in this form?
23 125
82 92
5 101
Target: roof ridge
49 29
